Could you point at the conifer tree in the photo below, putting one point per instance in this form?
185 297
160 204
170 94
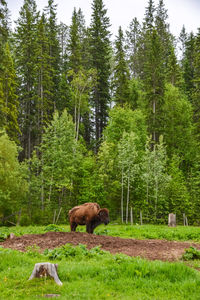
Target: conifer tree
182 41
188 65
153 74
4 25
121 72
196 81
9 104
26 60
100 61
8 97
54 51
149 16
173 70
45 81
132 40
74 46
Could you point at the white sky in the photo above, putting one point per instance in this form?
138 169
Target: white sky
121 12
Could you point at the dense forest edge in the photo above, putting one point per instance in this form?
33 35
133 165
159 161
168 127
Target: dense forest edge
88 117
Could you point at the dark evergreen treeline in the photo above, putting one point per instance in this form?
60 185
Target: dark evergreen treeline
86 119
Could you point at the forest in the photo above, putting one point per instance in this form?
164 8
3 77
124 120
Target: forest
89 117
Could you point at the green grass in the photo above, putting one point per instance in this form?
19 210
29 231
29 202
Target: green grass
97 275
179 233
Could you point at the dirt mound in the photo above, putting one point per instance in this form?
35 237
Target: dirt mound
150 249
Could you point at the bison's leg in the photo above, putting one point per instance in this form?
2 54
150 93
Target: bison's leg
73 226
89 228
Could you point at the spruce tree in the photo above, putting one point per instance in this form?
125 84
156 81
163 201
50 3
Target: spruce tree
196 81
9 104
45 81
100 61
153 78
188 65
54 51
121 72
74 46
4 25
8 97
25 41
132 41
173 70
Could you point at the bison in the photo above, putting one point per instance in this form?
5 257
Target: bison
89 214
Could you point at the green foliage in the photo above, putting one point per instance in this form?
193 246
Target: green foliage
61 155
191 254
13 184
53 227
68 251
178 196
177 123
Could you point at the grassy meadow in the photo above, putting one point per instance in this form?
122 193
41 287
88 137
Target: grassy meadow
96 274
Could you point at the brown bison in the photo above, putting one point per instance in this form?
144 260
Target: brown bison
89 214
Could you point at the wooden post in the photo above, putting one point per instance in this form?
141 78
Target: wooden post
44 270
172 220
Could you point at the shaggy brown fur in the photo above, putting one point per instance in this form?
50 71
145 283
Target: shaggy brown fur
89 214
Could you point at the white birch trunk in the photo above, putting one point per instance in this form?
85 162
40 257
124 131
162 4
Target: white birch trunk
127 202
122 198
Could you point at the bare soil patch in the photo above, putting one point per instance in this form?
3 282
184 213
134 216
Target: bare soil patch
149 249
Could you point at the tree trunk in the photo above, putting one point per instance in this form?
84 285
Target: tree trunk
141 223
122 198
44 270
131 215
127 202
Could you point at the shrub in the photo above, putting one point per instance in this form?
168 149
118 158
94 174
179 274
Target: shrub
191 254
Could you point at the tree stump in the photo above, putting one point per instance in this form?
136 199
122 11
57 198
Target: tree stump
44 270
172 220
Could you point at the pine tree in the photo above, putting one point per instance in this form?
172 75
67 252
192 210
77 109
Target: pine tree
121 73
100 61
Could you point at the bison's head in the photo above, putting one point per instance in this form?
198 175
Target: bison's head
103 214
